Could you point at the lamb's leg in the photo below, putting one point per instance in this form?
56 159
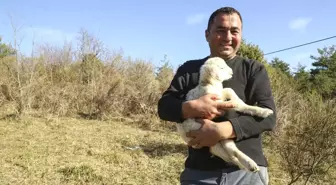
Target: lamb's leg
182 133
241 106
186 126
219 150
254 110
228 155
242 160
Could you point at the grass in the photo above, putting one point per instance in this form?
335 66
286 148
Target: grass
74 151
77 151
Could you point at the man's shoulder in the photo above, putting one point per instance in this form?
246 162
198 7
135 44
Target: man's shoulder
251 62
252 65
193 64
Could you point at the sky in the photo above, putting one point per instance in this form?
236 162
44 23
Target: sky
149 29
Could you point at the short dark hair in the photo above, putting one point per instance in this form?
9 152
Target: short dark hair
224 10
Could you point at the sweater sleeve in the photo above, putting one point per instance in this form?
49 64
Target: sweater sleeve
170 104
258 93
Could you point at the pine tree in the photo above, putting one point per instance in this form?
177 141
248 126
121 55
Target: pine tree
324 73
5 50
281 65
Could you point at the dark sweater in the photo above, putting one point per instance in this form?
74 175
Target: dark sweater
251 83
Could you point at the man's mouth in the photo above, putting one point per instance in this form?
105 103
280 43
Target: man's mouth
225 45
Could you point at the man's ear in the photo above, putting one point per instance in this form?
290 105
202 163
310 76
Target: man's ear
207 35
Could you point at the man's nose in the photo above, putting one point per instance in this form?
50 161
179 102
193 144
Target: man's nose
227 36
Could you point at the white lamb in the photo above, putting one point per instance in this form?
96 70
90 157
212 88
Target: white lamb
212 73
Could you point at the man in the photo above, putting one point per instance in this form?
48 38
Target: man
251 83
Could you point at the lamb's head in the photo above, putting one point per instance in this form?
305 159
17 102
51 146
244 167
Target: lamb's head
215 69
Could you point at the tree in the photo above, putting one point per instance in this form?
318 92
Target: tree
302 79
281 65
6 50
251 51
89 44
324 73
325 62
91 51
91 67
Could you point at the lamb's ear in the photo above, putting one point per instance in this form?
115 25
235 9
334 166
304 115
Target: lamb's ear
208 71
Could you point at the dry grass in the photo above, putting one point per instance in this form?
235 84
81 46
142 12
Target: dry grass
76 151
73 151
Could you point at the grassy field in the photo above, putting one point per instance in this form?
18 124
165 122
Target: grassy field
77 151
72 151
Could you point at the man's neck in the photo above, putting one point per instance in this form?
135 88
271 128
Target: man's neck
224 58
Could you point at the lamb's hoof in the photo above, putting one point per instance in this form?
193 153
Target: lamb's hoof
253 167
267 113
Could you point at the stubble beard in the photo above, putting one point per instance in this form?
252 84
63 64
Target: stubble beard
227 54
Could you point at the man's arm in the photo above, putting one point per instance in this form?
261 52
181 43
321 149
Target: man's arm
173 107
171 103
259 91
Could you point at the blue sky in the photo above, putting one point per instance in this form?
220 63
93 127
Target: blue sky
150 29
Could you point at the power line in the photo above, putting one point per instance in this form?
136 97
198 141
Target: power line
300 45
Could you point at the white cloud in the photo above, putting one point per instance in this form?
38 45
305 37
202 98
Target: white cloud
45 34
195 19
299 24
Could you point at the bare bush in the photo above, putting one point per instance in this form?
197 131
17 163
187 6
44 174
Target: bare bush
307 142
303 138
165 74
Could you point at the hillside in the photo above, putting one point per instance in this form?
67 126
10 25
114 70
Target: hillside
69 114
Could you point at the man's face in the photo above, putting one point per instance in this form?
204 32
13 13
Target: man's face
224 36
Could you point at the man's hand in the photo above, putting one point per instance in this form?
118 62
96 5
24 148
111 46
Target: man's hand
207 135
210 133
206 107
